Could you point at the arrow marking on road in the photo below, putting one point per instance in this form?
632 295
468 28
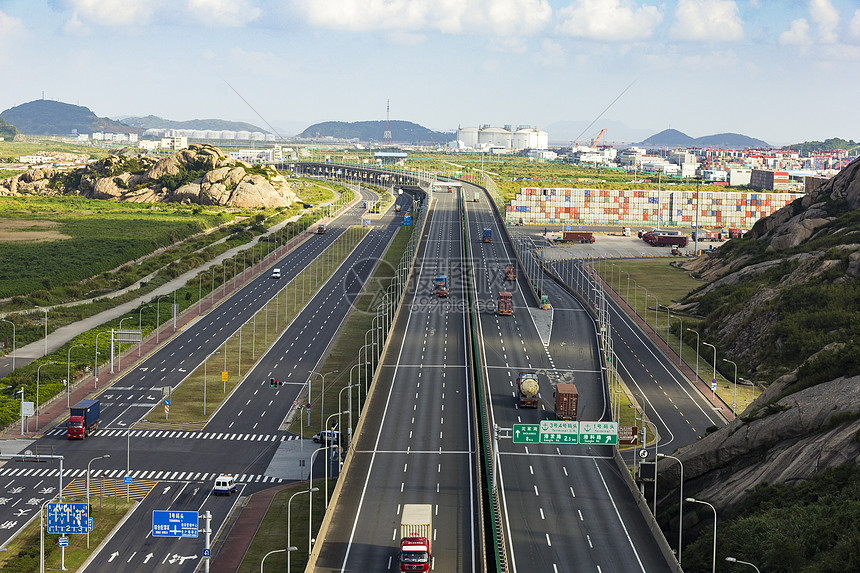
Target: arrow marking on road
113 556
165 490
147 558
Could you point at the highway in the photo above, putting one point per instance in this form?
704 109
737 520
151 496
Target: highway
175 469
564 507
416 443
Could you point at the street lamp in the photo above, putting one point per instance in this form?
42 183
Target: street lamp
287 551
751 383
289 524
680 503
158 315
88 487
693 500
13 340
696 332
38 370
328 455
656 310
69 372
322 393
733 560
714 379
96 365
735 396
140 326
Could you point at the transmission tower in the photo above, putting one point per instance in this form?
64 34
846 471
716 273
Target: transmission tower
386 136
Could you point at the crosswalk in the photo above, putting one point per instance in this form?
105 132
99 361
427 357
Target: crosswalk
182 435
162 475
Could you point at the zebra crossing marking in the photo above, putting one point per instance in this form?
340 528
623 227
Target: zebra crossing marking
112 432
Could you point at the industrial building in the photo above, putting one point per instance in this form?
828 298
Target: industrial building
487 138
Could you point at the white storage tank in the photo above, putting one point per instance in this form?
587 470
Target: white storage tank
469 136
495 137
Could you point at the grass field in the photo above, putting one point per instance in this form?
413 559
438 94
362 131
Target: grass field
22 555
10 150
240 352
650 278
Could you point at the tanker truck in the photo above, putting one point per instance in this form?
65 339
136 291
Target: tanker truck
528 388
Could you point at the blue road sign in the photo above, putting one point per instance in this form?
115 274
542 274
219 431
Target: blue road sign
90 524
126 480
407 220
68 517
64 541
207 553
174 523
166 402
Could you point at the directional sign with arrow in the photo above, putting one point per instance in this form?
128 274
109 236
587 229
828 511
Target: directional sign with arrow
526 433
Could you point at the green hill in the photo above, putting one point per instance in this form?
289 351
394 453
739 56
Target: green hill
153 122
47 117
831 144
401 132
7 131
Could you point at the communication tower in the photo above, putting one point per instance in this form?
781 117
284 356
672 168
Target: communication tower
386 136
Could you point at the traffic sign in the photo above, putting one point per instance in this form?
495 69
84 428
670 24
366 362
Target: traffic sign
207 553
559 432
174 523
713 386
64 541
224 376
68 517
605 433
126 480
526 433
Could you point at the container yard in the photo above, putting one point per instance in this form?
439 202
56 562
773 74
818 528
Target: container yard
533 205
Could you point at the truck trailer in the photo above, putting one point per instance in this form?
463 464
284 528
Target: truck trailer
441 285
665 240
488 235
510 273
577 237
416 537
83 419
715 236
506 303
566 401
527 389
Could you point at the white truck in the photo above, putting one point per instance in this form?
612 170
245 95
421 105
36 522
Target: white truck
416 537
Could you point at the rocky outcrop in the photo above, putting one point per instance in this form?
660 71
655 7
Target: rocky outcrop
224 181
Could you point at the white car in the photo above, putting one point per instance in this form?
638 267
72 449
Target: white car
276 273
327 436
225 484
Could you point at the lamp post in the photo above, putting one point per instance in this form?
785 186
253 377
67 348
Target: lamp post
680 504
733 560
656 309
287 551
289 523
140 326
751 383
69 372
322 393
680 341
119 355
13 340
337 445
96 366
714 379
158 315
88 487
38 371
714 563
735 395
46 330
696 332
311 499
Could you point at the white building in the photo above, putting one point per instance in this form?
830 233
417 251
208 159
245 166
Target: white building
493 139
174 143
739 176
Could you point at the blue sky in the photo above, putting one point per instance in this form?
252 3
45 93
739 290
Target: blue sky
779 70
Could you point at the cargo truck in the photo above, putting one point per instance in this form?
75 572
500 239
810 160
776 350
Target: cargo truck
397 208
416 537
625 231
528 388
735 233
441 285
510 273
665 240
577 237
477 196
321 229
566 400
83 419
717 236
506 303
488 235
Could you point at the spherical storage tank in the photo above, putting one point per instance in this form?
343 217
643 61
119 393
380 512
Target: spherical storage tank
469 136
495 136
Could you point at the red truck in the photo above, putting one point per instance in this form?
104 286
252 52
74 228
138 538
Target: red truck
566 401
665 240
510 273
416 537
577 237
441 285
83 419
715 236
506 303
735 233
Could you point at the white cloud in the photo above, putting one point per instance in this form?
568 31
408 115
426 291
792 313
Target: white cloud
826 17
617 20
224 13
10 27
551 54
112 12
855 25
494 17
797 34
710 20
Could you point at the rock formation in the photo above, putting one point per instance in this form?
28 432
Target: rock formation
200 174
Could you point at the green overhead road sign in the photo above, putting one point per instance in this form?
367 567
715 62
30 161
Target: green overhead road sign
559 432
604 433
526 433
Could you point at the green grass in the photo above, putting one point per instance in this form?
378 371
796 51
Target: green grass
23 551
272 534
10 150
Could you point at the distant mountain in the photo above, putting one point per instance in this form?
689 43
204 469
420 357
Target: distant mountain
7 132
401 132
155 122
826 145
675 138
617 132
47 117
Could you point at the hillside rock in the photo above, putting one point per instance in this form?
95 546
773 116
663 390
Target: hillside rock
225 182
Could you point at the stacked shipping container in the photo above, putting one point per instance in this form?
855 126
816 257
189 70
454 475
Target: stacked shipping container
643 207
